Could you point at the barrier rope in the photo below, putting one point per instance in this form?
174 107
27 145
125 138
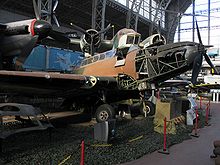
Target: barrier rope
64 160
135 139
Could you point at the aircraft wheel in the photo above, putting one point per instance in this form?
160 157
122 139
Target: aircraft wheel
104 112
148 108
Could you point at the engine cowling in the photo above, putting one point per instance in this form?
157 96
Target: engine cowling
23 29
153 40
91 37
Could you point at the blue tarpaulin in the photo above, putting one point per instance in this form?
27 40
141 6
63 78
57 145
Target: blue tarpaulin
43 58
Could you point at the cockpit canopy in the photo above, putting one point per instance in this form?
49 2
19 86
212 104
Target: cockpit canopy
125 38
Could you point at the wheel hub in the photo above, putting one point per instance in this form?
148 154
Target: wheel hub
146 109
103 115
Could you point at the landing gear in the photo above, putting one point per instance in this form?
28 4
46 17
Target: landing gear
104 112
147 108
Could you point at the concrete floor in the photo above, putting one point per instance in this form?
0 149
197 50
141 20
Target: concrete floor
195 151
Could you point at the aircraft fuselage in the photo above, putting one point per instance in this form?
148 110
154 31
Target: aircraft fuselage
152 64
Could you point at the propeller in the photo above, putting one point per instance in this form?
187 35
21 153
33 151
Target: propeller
104 30
50 32
79 28
196 68
199 58
52 14
36 10
159 29
91 37
94 36
40 29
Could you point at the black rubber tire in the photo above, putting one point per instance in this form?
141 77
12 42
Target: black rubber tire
104 112
150 108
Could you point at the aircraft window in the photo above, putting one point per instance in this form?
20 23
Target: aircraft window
90 60
96 58
86 61
102 56
83 63
130 39
136 40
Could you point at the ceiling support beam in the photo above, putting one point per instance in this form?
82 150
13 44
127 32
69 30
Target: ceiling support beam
45 8
161 7
98 15
133 14
172 19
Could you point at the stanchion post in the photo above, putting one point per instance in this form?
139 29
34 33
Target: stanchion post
158 94
200 102
207 115
209 109
82 152
1 148
164 150
196 126
165 135
1 140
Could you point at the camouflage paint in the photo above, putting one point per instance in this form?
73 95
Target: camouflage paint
107 68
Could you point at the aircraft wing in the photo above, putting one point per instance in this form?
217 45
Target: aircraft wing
174 83
52 83
210 86
204 87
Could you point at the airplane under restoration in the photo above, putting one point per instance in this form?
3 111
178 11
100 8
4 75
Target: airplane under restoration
105 78
101 79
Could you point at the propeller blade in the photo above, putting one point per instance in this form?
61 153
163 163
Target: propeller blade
208 46
36 11
59 36
26 51
204 52
196 68
104 30
210 63
79 28
44 12
55 5
92 49
198 33
55 20
159 30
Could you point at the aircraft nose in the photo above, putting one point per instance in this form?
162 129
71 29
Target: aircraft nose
193 52
42 28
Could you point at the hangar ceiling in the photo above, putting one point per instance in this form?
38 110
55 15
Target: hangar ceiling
80 12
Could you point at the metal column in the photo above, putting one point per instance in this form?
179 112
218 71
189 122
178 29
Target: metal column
179 24
133 14
193 20
161 7
98 15
208 22
45 7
